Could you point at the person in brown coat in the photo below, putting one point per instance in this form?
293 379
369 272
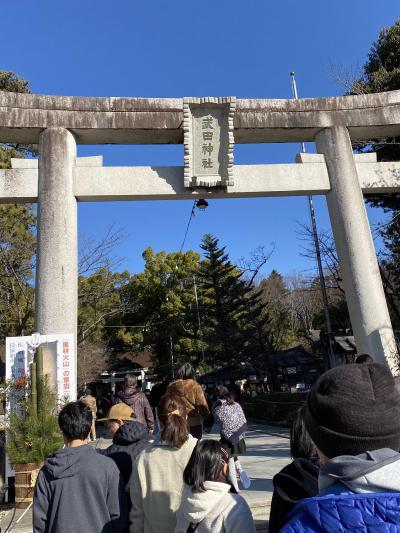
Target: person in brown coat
187 388
90 401
132 396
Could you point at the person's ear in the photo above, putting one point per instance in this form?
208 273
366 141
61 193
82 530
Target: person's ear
225 469
120 422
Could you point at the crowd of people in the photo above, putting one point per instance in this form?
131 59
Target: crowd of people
159 475
147 480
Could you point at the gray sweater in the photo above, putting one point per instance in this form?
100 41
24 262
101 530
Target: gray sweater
81 491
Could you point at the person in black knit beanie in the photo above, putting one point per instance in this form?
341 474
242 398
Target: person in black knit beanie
353 409
353 416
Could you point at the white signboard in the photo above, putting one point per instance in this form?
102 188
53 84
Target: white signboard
59 361
208 141
18 357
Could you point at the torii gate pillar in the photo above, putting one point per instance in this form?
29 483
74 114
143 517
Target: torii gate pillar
359 267
329 121
57 255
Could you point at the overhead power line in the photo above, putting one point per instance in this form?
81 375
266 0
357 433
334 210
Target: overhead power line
188 225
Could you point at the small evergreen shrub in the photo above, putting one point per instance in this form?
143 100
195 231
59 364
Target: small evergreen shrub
32 429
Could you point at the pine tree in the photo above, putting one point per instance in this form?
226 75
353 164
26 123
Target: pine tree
225 300
162 300
274 294
32 430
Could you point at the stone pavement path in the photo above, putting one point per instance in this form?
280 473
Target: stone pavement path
267 453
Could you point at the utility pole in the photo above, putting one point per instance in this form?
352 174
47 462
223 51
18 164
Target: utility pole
331 355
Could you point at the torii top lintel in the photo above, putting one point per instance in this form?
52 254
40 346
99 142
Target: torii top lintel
159 120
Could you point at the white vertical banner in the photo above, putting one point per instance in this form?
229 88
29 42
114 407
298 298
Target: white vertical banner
58 361
66 373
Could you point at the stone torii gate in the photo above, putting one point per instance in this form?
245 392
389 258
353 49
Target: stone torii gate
60 179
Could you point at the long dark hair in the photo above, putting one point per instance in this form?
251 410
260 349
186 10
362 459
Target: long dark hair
301 445
185 371
223 393
172 417
205 464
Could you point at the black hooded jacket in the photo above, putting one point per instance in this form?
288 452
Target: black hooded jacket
128 442
296 481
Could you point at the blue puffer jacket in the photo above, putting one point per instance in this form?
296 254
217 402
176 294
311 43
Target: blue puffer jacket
357 494
346 512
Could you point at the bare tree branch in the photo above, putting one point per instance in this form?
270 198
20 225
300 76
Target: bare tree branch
96 254
351 78
329 256
258 258
92 361
304 301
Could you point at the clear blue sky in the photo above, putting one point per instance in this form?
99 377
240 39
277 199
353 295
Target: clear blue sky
187 48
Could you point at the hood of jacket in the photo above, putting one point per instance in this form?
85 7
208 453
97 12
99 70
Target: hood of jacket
67 462
197 505
130 433
128 393
376 471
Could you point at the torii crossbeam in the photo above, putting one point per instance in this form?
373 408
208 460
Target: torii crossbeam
61 179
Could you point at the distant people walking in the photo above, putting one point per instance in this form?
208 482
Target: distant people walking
77 489
129 438
353 417
90 401
186 387
132 396
105 404
229 415
157 479
297 480
208 504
